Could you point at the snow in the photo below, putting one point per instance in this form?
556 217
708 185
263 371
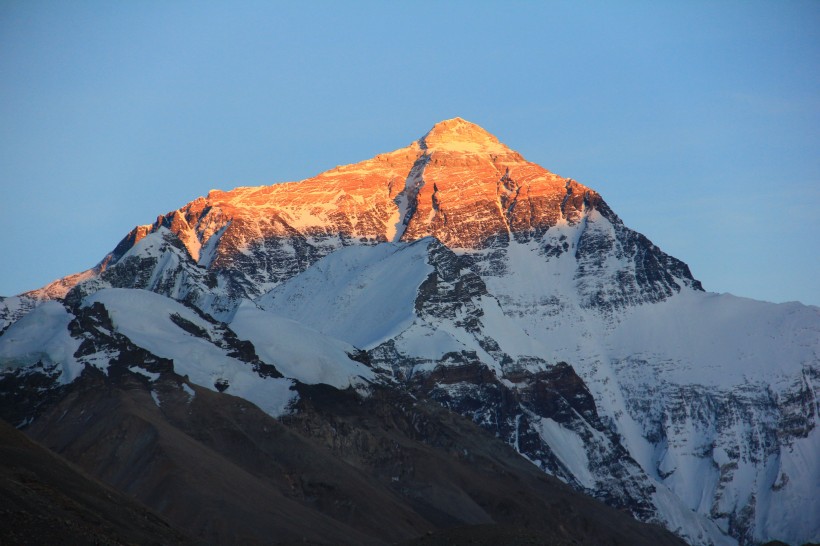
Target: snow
150 246
42 335
405 201
189 238
685 460
717 344
302 219
208 251
569 448
367 293
799 465
368 296
144 317
459 136
394 226
189 391
512 339
12 308
152 376
297 351
717 340
686 523
428 341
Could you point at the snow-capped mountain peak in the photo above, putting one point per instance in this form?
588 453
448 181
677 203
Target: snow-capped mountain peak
455 270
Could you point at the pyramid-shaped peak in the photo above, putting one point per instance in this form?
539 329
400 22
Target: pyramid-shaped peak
459 135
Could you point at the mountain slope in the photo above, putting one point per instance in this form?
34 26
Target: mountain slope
342 467
44 500
455 271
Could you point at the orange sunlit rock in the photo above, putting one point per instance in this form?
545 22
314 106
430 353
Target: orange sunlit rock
456 170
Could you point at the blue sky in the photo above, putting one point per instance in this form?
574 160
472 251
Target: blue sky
698 122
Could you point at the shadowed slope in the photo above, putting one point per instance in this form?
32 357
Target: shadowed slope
45 500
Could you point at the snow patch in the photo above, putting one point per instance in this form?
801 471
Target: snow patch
189 391
208 251
569 448
152 376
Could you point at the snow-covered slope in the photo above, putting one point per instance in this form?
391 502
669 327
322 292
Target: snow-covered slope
455 269
300 352
107 325
713 395
363 295
170 330
41 339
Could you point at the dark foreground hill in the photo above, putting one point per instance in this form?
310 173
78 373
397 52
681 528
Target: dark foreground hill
45 500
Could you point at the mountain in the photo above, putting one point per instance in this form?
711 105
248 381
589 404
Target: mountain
457 275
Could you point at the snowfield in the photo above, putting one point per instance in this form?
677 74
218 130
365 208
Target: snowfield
360 294
299 352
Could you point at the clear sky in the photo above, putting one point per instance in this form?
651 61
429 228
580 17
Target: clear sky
698 122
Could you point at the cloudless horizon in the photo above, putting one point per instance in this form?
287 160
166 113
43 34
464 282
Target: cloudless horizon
698 122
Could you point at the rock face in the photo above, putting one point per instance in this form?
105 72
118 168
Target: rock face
457 272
